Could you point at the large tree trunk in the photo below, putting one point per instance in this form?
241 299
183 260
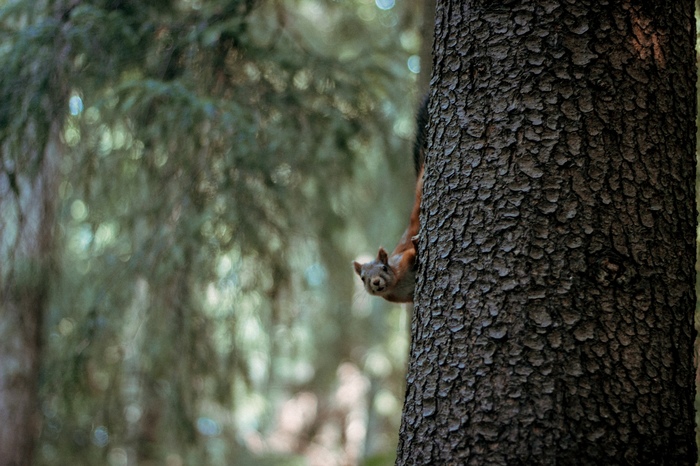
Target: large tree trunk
555 299
426 48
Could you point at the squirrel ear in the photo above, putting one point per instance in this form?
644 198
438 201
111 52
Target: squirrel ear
382 256
358 267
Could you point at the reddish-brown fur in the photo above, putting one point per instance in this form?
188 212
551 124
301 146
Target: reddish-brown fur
393 277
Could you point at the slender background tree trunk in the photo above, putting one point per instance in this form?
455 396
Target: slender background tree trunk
555 300
29 179
28 256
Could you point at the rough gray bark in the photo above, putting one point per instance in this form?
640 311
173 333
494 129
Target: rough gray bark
555 299
426 48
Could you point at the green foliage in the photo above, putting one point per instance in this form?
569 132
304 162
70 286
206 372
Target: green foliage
222 164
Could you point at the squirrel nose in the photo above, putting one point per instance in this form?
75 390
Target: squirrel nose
378 284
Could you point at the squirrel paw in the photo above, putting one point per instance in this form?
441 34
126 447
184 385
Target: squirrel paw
414 241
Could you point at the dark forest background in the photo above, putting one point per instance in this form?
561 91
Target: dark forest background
207 171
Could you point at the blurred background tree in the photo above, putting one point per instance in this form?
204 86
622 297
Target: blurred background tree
183 187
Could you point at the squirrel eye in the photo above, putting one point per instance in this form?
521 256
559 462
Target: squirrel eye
363 278
385 269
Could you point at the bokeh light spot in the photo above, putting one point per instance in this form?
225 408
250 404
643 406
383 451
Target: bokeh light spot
385 4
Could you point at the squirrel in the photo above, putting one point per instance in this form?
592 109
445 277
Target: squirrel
393 277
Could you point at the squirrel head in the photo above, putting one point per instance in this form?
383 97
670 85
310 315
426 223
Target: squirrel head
377 276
